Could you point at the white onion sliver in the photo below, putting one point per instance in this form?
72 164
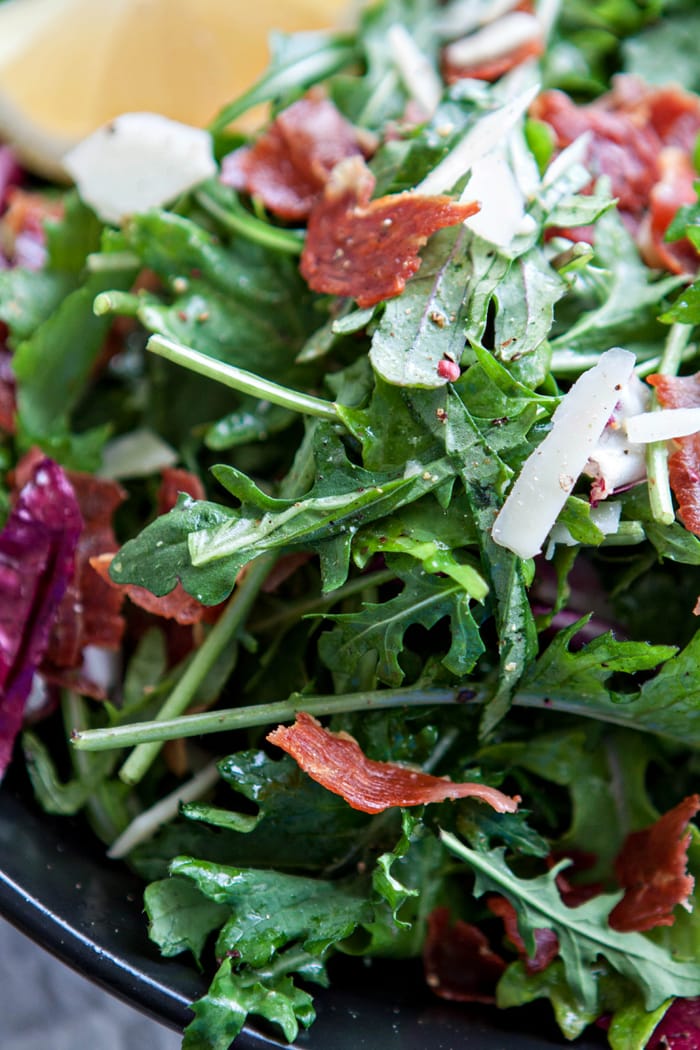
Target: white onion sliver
662 425
549 474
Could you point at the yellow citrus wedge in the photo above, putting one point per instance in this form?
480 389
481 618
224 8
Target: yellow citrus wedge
69 66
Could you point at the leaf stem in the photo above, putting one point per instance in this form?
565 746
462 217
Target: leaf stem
660 498
221 635
259 715
239 379
237 220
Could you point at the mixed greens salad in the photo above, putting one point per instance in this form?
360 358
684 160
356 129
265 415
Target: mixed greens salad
373 436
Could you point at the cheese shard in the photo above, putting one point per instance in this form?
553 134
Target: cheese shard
663 425
139 161
550 472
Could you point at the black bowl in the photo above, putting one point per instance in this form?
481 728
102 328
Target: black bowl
59 888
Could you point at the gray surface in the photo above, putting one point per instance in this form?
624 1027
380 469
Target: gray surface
45 1006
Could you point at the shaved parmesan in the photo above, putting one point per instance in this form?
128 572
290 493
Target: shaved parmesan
465 16
479 141
550 473
663 424
616 462
419 77
494 40
501 217
605 516
139 161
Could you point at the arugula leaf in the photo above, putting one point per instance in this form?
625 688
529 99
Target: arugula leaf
483 476
343 498
603 771
180 917
271 909
424 326
668 703
583 932
627 294
221 1014
158 557
380 628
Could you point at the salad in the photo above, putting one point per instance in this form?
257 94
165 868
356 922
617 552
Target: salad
351 513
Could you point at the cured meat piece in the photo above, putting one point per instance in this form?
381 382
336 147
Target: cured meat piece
676 187
684 461
292 161
367 249
651 868
173 481
458 962
177 605
336 761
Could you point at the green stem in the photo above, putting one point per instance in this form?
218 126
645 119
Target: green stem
237 220
222 634
311 605
660 498
258 715
239 379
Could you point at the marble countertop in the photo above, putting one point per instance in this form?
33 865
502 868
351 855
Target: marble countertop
46 1006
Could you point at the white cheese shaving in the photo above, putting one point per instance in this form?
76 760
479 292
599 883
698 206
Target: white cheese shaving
502 216
418 75
616 462
549 474
139 161
663 425
487 133
605 516
464 16
494 40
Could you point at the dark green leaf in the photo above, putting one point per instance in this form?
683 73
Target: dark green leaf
180 917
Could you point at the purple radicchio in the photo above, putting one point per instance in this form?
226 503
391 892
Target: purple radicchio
37 561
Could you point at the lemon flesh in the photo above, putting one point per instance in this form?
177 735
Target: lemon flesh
69 66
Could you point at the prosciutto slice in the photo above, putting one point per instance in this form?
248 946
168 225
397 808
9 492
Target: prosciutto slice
336 761
651 868
367 249
684 461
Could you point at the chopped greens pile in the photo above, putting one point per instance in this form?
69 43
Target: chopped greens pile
341 459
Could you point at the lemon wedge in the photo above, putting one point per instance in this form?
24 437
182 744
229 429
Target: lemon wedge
69 66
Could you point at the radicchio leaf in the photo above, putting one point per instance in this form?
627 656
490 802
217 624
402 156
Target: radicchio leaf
37 562
458 962
337 762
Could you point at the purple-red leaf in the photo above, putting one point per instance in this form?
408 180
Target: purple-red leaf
37 562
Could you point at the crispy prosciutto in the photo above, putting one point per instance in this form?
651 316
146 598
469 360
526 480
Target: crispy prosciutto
651 868
458 961
291 162
178 605
37 561
684 461
337 762
642 138
367 249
